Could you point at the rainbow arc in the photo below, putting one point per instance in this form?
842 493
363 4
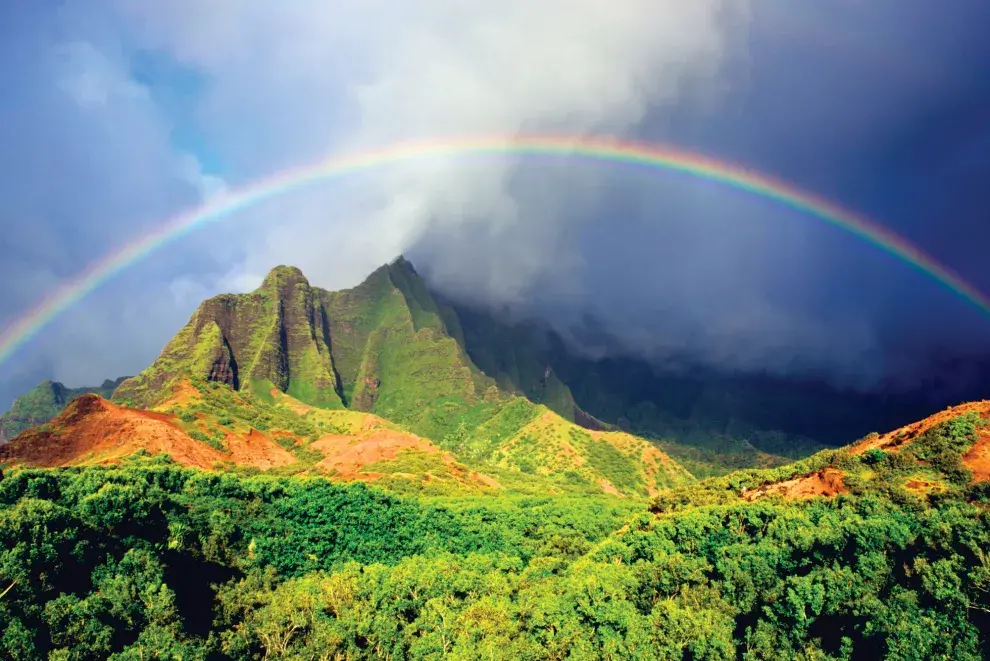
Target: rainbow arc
653 156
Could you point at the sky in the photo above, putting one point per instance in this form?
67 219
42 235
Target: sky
116 116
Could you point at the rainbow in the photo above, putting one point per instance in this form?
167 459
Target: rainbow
608 150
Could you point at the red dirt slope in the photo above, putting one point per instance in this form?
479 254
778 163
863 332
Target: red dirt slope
93 430
907 433
827 482
349 456
978 457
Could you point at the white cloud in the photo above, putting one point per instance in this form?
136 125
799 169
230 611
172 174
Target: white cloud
293 82
191 171
87 165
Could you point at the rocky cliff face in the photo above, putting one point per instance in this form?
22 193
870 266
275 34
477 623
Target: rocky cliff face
275 337
387 346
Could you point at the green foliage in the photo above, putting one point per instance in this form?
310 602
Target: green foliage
227 407
874 456
214 440
954 436
117 562
412 462
605 459
944 445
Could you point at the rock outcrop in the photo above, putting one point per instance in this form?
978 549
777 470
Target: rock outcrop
275 337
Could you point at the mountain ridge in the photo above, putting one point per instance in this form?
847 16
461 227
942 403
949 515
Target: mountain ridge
282 361
394 347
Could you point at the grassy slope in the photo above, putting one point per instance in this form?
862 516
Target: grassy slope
927 468
525 447
553 447
207 411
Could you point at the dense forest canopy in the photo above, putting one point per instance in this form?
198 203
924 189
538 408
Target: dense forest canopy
148 559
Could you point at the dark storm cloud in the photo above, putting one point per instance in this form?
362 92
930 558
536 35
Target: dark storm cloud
881 107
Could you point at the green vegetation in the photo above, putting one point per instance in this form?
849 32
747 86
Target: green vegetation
905 474
411 462
534 441
275 335
43 403
529 449
120 560
223 407
603 457
150 560
505 548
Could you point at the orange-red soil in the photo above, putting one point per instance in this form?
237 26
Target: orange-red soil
182 393
608 487
978 457
348 455
904 435
827 482
93 430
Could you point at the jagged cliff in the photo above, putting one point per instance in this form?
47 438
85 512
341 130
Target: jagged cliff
274 337
384 346
268 366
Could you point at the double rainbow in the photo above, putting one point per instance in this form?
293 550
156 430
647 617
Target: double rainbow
652 156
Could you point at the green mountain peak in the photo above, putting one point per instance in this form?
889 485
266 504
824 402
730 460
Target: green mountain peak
274 337
283 276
